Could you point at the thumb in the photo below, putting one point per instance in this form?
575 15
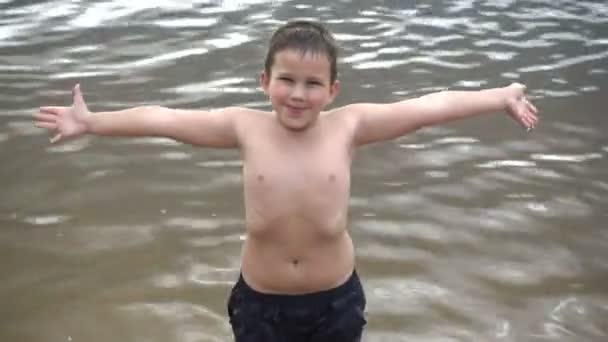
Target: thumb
520 87
77 96
56 138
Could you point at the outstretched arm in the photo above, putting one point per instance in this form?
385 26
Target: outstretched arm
212 129
377 122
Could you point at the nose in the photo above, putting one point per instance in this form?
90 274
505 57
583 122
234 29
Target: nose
298 93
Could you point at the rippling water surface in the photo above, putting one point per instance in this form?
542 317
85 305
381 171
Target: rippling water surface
473 231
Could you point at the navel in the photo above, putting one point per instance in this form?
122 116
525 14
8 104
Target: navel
260 178
332 177
295 262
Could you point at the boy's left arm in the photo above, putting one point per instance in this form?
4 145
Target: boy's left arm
377 122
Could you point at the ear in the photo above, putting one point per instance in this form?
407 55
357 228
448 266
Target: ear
264 81
334 89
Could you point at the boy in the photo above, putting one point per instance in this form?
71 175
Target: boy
298 279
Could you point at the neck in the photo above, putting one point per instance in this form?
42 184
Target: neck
310 131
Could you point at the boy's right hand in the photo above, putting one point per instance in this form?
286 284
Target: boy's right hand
65 122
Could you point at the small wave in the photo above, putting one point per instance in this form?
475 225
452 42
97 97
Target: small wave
570 158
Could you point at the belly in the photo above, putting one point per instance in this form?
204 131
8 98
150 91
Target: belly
296 259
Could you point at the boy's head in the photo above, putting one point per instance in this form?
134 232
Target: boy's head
306 37
300 73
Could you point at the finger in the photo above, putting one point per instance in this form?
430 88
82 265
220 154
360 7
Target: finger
77 95
529 126
532 120
47 125
526 121
531 107
533 117
516 117
56 138
51 109
523 122
535 122
45 117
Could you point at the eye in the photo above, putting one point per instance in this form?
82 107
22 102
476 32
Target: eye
285 79
314 83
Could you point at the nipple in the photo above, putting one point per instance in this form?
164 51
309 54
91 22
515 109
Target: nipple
332 177
260 178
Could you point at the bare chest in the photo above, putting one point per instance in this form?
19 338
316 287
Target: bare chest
310 175
318 171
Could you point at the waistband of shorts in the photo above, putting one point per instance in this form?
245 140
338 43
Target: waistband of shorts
307 299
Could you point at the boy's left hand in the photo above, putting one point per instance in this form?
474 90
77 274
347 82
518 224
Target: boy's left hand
519 107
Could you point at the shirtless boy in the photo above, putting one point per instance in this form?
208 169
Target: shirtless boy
298 280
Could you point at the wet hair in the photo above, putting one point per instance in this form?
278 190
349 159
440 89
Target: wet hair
305 37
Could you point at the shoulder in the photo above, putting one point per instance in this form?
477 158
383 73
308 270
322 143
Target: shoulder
239 111
243 115
350 111
243 119
345 116
342 121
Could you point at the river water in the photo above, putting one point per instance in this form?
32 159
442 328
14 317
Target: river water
472 231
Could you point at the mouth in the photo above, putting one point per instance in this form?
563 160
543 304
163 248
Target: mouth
295 110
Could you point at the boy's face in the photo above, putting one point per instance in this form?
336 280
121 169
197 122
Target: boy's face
299 87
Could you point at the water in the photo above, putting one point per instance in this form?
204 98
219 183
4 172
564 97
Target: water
472 231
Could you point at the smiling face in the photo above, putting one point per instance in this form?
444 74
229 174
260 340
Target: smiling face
299 87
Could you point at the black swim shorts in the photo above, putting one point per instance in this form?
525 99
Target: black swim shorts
335 315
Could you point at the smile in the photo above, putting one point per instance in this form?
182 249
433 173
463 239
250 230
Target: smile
295 109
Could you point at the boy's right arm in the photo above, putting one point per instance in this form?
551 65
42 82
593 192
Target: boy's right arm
203 128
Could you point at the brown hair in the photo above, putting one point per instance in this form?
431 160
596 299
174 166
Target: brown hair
306 37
